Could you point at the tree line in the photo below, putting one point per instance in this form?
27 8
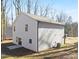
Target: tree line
33 7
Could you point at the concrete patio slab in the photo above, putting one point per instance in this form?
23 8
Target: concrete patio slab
14 46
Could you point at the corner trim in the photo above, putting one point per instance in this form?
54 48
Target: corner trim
37 35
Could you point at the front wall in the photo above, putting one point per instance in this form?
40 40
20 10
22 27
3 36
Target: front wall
49 35
26 35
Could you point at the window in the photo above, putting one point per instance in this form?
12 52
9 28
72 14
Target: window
19 41
26 27
30 41
14 28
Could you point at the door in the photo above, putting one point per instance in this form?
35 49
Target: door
19 41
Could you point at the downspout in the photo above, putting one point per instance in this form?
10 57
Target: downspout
37 35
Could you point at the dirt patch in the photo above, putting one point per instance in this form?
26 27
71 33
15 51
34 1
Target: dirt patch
71 40
6 41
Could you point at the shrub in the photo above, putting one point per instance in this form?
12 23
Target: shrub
58 45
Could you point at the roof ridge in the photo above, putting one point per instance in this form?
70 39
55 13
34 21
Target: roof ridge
41 18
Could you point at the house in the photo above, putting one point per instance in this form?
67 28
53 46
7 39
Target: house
37 33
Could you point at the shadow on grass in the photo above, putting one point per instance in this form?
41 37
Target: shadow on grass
14 52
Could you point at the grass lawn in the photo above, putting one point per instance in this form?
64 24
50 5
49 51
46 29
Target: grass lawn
23 53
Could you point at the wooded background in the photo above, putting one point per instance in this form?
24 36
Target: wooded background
33 7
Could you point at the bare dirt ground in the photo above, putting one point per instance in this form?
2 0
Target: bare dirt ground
22 53
70 56
6 41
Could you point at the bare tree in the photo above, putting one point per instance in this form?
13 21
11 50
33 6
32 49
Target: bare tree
46 11
35 7
12 11
68 26
61 17
41 11
69 20
74 27
17 6
53 14
3 18
28 6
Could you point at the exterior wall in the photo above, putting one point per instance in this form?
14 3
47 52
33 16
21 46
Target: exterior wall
20 32
49 35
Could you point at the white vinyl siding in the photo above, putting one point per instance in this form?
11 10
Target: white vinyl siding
49 35
23 20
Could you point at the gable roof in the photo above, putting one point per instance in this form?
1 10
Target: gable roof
41 18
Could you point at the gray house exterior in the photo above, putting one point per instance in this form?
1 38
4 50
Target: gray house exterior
37 33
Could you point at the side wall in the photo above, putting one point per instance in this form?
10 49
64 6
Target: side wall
49 35
20 32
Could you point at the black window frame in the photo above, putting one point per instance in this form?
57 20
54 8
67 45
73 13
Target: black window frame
26 27
30 41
